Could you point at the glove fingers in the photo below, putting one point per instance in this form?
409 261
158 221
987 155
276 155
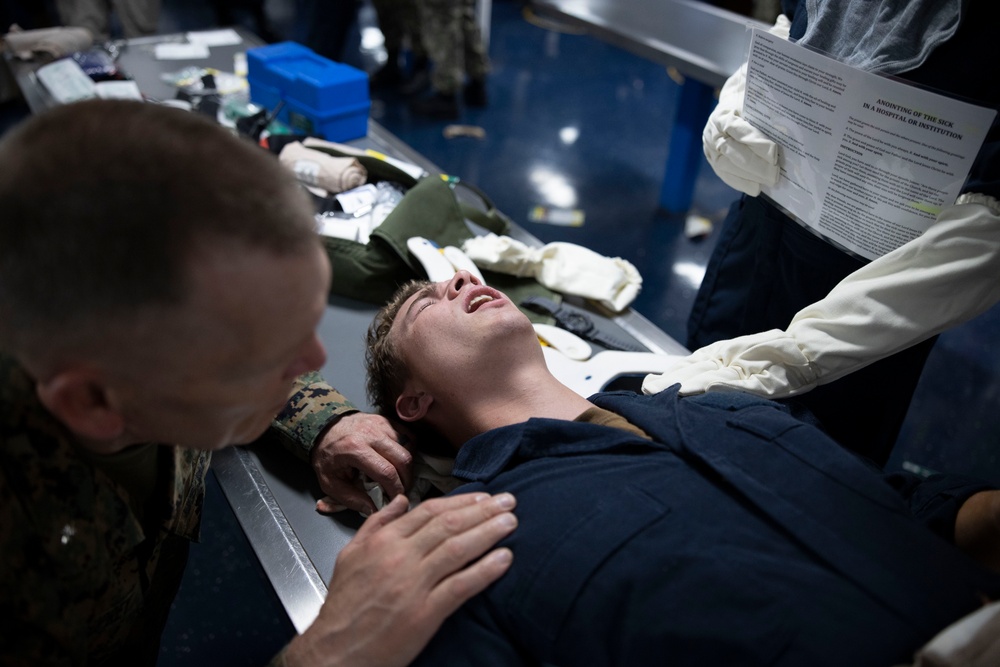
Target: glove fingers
731 127
747 166
744 185
574 269
695 377
686 367
753 139
740 155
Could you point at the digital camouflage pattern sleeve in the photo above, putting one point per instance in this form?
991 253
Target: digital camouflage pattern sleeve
312 407
84 579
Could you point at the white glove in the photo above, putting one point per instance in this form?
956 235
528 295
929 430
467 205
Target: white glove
740 154
972 641
944 277
563 267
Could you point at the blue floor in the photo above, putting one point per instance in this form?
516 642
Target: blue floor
572 123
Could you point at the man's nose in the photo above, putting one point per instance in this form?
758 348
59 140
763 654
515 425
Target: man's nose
316 355
312 358
462 278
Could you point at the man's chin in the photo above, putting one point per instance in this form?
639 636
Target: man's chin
250 432
250 437
242 436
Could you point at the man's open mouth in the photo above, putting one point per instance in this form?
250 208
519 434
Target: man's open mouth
478 301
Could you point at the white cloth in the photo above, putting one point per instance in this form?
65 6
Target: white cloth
973 641
55 42
564 267
889 37
319 169
742 156
944 277
429 473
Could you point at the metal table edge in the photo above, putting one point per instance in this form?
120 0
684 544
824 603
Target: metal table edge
297 583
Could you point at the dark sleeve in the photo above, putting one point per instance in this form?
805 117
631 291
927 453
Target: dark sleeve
984 177
471 638
795 10
934 501
974 55
959 68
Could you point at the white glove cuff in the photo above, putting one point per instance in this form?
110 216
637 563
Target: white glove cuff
983 200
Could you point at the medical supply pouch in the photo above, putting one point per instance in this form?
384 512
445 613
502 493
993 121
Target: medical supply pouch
373 271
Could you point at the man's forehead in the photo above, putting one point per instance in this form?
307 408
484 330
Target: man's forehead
246 286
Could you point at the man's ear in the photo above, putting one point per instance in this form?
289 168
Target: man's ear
79 399
412 406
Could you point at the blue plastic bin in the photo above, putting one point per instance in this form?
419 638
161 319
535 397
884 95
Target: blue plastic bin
322 97
342 124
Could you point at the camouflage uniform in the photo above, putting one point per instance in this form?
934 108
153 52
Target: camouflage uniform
399 20
86 576
137 17
453 43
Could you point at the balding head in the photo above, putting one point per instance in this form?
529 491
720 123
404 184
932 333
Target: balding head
107 204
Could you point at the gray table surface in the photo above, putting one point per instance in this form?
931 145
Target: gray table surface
702 41
272 494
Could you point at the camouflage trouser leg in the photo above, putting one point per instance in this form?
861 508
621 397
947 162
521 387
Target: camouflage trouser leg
90 14
414 28
137 17
453 42
477 62
399 20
